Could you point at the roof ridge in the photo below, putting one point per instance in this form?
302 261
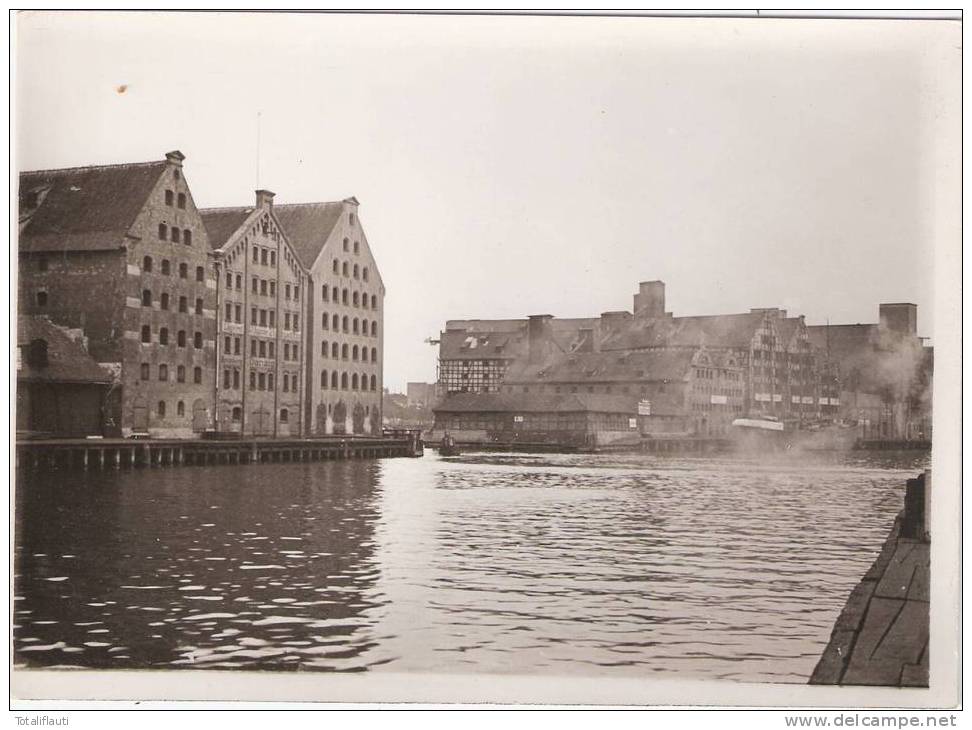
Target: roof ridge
224 208
298 205
94 167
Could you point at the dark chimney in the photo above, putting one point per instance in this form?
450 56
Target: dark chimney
902 319
650 299
264 199
538 336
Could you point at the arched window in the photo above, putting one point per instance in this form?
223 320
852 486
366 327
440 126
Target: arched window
374 329
335 266
181 338
374 383
345 244
237 414
354 381
164 336
335 323
176 235
323 378
324 291
168 197
357 247
187 237
147 265
344 323
374 354
355 271
344 269
364 327
344 297
146 297
344 381
334 294
181 374
146 333
180 408
354 352
334 380
163 231
374 302
165 267
197 375
183 304
199 306
181 200
183 271
200 273
324 320
354 299
161 409
354 325
334 350
323 348
364 273
197 340
344 351
164 301
284 415
269 381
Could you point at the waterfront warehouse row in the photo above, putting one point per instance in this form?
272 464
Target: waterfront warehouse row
260 320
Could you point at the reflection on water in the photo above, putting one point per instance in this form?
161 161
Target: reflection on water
554 564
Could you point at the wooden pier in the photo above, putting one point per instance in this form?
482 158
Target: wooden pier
83 454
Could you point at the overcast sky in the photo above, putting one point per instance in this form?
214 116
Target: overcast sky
516 166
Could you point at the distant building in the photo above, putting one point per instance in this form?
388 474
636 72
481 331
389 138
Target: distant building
884 371
121 253
344 333
61 390
420 395
261 286
686 375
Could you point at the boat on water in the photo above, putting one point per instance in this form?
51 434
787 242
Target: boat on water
447 447
758 433
763 433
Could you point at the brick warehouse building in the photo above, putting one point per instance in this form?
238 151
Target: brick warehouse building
345 317
121 253
261 288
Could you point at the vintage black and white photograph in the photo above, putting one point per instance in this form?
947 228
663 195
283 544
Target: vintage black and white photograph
369 348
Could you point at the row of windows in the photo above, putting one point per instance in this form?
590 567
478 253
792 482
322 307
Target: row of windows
337 323
341 381
174 234
197 337
357 245
345 269
261 317
146 373
147 265
164 302
259 380
335 352
265 256
356 300
237 415
263 286
181 199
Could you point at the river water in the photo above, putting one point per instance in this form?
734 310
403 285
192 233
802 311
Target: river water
604 565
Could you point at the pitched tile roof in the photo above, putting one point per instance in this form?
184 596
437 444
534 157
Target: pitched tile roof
536 403
67 360
308 226
221 223
647 366
83 208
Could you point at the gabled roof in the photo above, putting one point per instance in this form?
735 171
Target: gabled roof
83 208
308 226
221 223
67 360
536 403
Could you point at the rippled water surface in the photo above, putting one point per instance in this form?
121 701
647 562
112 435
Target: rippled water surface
545 564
